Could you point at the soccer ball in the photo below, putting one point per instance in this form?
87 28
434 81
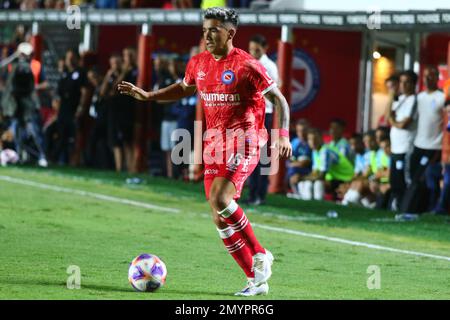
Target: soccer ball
147 272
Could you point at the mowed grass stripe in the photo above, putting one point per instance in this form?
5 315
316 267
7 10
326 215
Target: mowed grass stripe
45 232
175 210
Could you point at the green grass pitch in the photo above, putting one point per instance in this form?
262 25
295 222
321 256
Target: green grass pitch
44 231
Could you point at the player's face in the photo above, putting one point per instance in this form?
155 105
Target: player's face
216 35
314 141
70 59
356 144
336 130
369 142
431 78
114 63
406 85
386 147
300 129
256 50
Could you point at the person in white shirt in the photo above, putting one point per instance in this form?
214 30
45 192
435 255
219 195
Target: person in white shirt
401 116
425 164
258 181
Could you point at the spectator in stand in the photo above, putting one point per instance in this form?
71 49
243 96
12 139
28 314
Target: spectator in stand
213 3
72 90
370 186
357 148
98 152
120 109
27 5
381 133
48 4
128 105
379 182
60 5
358 192
19 35
392 86
299 165
338 142
259 180
401 115
21 104
169 120
9 4
184 110
425 164
330 168
370 156
106 4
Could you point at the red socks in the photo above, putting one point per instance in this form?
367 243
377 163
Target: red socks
235 217
238 249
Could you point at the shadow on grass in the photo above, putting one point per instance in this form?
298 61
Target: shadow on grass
63 285
190 294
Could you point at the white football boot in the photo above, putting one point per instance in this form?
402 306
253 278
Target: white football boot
262 267
251 290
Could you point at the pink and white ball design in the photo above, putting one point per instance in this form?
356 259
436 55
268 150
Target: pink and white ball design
147 273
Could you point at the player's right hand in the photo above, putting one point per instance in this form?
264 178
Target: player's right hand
130 89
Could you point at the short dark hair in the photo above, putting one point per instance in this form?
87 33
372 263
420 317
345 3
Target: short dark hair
315 131
432 67
411 75
225 15
370 133
259 39
74 51
357 136
393 78
339 122
115 55
302 122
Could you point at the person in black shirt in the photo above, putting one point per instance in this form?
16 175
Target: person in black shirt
98 153
121 109
72 91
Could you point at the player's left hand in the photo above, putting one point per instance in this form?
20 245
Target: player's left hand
284 148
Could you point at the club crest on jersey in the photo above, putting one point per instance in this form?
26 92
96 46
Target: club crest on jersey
227 77
201 75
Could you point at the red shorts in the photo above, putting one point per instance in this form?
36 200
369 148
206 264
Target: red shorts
235 167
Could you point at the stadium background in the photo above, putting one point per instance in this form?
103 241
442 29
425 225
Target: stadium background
349 80
63 228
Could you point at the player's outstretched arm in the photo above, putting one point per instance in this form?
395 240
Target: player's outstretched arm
282 112
173 92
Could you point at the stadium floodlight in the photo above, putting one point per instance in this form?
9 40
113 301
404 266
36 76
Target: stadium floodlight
376 55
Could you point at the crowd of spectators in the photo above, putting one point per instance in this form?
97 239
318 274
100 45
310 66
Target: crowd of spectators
84 121
399 166
25 5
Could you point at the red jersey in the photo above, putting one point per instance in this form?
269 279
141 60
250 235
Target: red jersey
231 91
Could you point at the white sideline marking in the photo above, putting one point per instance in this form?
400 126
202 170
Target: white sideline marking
88 194
266 227
350 242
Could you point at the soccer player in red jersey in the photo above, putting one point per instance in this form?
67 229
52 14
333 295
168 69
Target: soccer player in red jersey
231 85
